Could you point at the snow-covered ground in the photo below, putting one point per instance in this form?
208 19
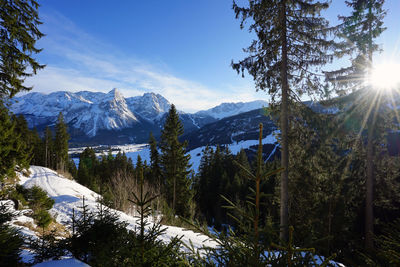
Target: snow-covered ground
68 195
114 149
71 262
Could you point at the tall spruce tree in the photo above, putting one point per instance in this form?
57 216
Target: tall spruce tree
19 21
7 139
203 184
23 142
175 165
48 144
61 143
88 163
360 29
291 44
155 170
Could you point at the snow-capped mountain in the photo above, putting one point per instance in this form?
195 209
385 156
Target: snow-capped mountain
230 109
86 111
110 118
111 112
149 106
97 116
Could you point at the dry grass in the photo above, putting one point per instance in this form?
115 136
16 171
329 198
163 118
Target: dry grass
59 230
28 225
65 174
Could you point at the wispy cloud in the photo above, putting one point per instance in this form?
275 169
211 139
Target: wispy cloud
78 62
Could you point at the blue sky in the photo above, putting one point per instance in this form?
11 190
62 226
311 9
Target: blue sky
181 49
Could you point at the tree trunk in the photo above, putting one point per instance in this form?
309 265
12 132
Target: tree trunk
45 157
369 212
369 208
174 194
258 180
284 212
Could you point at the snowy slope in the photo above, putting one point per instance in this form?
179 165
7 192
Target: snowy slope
230 109
68 195
71 262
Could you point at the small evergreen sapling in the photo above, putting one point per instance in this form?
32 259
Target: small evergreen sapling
148 249
10 239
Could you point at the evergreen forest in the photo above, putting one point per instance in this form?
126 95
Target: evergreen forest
332 191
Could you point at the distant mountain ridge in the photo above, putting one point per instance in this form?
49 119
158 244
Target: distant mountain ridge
105 117
230 109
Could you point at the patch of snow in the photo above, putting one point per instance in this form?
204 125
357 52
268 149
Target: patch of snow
71 262
272 152
194 122
237 133
27 256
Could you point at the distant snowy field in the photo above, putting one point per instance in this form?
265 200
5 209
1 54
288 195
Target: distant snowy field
131 150
143 150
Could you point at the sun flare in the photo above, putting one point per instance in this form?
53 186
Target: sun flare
386 76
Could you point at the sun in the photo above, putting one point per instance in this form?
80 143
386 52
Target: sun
385 76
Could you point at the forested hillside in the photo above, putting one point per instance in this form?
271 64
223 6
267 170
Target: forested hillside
316 183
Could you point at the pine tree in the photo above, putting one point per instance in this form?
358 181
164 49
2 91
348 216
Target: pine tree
7 163
139 164
49 151
61 143
155 170
86 170
11 240
23 142
175 165
360 29
203 184
19 32
291 43
38 151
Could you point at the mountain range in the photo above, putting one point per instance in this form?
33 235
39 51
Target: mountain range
96 118
110 118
